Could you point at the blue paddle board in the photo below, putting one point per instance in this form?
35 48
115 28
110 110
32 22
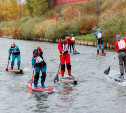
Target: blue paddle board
117 79
75 52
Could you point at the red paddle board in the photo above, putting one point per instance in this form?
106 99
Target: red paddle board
46 89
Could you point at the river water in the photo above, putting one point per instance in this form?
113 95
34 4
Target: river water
93 94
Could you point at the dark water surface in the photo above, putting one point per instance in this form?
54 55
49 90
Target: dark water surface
93 94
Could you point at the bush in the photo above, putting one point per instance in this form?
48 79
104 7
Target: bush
112 26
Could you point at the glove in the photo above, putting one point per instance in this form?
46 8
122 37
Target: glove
65 52
33 69
9 58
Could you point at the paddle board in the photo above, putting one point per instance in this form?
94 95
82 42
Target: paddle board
17 71
69 79
75 52
101 54
117 79
46 89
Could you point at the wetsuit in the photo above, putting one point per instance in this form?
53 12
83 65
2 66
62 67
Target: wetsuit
72 44
120 47
39 65
99 40
15 54
63 46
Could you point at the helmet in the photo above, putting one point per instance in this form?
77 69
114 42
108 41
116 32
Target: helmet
63 37
118 37
12 43
35 52
38 47
99 31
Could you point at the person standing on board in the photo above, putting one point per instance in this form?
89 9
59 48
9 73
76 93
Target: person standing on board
14 50
72 44
64 55
120 48
38 65
99 40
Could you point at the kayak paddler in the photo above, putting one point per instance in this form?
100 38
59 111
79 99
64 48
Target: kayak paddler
38 65
14 50
120 48
99 40
64 55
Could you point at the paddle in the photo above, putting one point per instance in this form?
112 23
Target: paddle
7 64
30 88
57 75
57 54
108 69
75 82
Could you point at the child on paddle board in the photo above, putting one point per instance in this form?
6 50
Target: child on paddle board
120 48
64 55
14 50
99 40
38 65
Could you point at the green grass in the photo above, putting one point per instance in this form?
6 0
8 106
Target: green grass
89 37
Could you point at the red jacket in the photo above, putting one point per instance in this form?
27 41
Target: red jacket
120 46
60 48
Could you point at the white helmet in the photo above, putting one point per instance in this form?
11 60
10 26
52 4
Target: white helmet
12 43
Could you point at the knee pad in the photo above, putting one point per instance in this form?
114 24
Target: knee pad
43 75
37 75
63 67
68 66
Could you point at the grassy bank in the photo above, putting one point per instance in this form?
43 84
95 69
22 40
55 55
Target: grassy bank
78 18
89 37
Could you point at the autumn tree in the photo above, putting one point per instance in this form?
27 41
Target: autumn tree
37 7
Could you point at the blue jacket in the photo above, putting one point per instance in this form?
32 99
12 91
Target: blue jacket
14 51
96 33
33 62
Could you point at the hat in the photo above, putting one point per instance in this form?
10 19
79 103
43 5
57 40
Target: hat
118 37
63 37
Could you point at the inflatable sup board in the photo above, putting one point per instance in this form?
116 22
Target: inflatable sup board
45 89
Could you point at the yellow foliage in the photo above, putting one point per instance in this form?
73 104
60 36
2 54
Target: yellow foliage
10 10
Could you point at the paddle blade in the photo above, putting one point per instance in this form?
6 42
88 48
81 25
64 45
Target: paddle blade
75 82
107 70
30 88
56 78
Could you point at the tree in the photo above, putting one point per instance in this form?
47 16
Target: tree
37 7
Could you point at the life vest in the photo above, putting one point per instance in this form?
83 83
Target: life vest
15 52
65 47
99 35
73 38
121 44
38 61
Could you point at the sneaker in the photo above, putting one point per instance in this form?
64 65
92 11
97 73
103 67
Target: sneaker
70 76
62 76
121 77
42 85
35 86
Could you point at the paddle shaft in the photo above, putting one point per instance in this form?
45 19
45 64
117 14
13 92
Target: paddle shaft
58 70
7 64
112 61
